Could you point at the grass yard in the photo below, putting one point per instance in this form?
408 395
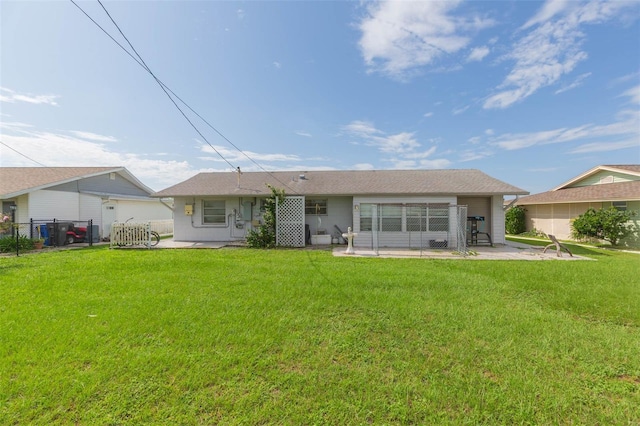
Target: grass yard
239 336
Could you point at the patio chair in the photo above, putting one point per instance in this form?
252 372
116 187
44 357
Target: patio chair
559 246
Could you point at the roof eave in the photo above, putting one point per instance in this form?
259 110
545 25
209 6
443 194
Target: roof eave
592 172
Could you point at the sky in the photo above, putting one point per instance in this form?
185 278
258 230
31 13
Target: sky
533 93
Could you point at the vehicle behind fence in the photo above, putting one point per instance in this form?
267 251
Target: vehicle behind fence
47 232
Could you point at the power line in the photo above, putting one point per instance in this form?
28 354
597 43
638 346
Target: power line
162 87
25 156
170 92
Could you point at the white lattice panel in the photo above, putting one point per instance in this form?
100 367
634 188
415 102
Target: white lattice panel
290 222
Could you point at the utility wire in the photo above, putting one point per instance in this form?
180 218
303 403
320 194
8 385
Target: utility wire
162 86
25 156
170 92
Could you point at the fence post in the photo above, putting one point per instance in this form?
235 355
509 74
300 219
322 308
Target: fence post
17 228
90 233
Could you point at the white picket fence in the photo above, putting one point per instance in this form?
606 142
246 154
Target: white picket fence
130 234
162 227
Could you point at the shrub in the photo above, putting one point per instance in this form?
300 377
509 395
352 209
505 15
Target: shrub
8 244
605 224
265 235
515 221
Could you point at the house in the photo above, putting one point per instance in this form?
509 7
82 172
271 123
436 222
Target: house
603 186
387 208
102 194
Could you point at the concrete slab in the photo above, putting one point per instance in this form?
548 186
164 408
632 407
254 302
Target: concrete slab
509 251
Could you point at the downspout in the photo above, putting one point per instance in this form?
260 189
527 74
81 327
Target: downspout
508 206
166 205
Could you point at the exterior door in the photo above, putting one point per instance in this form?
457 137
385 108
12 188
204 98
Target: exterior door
109 215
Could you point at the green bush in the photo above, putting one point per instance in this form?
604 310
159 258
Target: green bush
605 224
515 221
8 244
265 235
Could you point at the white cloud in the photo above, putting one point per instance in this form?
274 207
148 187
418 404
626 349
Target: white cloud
606 146
277 65
633 94
548 11
363 166
552 49
240 13
403 164
93 136
440 163
460 110
69 149
234 156
10 96
478 53
474 140
627 127
403 147
361 128
305 134
399 36
399 143
576 83
428 114
471 155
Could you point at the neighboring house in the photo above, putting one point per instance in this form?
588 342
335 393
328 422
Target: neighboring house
226 206
102 194
603 186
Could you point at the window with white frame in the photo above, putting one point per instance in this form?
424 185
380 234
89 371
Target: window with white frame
366 217
620 205
315 206
416 218
391 218
438 217
420 218
213 212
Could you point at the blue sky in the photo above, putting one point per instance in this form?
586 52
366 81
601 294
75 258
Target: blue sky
533 93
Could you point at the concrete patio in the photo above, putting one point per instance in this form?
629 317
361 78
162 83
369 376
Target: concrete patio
508 251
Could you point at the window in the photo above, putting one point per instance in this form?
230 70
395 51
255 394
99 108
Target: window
391 218
366 215
438 217
388 217
422 218
416 218
317 206
620 205
213 212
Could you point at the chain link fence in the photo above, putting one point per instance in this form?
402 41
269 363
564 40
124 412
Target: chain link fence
20 237
415 226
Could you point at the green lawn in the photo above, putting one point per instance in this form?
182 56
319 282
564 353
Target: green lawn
239 336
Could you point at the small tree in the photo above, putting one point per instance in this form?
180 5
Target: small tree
605 224
515 221
265 235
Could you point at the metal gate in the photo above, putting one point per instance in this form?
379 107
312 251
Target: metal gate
290 222
418 226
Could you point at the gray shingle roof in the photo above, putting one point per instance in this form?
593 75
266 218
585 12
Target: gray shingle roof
344 182
621 191
16 181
